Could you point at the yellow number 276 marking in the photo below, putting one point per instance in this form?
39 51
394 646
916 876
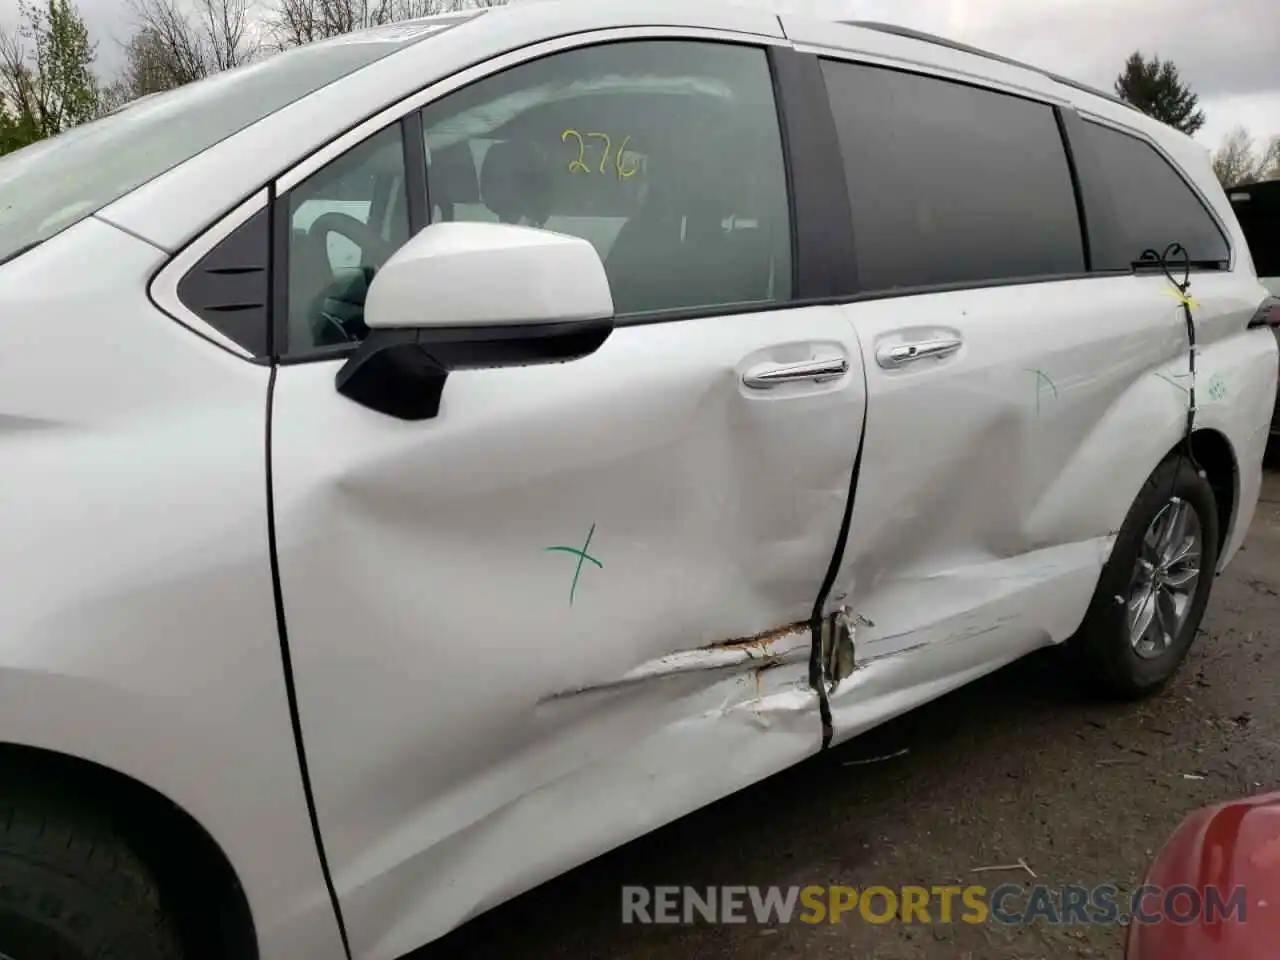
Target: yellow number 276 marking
578 164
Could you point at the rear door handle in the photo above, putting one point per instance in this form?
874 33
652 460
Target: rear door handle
899 355
818 371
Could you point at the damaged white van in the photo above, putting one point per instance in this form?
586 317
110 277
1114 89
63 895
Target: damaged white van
437 455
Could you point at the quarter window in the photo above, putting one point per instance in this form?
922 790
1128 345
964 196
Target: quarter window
665 155
1153 205
950 183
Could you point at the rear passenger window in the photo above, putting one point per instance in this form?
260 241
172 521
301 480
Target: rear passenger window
1153 205
950 183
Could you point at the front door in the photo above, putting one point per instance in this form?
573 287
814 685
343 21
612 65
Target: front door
575 604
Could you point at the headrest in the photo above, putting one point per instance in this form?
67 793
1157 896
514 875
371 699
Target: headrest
707 179
515 182
451 175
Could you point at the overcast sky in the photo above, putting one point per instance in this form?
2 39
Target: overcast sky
1228 51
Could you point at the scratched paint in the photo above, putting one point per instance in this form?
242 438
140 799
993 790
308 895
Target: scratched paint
1173 378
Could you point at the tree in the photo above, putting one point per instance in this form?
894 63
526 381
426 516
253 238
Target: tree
1155 88
46 81
1269 168
14 133
170 48
1236 162
295 22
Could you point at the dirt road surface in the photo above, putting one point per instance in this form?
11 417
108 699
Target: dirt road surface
1018 765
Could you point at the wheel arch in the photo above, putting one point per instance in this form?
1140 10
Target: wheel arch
1217 458
198 885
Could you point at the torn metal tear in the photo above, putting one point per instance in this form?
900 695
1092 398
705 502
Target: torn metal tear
783 644
837 647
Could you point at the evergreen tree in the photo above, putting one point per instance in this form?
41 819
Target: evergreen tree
1154 87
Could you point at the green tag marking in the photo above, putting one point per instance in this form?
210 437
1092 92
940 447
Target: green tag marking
582 556
1041 379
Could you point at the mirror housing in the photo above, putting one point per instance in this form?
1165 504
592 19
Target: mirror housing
461 295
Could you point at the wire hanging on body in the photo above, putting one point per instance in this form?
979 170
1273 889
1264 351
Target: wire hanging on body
1166 259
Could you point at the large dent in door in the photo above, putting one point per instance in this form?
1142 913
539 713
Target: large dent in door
615 760
460 699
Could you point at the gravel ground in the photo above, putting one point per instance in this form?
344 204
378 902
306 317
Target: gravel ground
1018 765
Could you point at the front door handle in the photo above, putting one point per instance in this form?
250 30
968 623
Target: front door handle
817 371
899 355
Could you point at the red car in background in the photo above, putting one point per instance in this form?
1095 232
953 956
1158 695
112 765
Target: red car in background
1225 855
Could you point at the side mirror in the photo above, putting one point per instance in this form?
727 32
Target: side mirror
461 295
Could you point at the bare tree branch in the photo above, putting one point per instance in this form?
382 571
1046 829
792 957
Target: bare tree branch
172 47
296 22
1236 162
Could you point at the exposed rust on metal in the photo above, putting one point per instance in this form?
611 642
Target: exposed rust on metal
762 639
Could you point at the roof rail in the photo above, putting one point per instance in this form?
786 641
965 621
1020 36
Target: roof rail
977 51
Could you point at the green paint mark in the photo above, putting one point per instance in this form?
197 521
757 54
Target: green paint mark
1217 388
1042 378
581 555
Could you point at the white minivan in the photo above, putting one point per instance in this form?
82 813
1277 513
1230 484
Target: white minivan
437 455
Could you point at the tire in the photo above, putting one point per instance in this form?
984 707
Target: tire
71 890
1110 662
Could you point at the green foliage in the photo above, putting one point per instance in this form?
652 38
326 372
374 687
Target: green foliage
14 133
47 83
1155 88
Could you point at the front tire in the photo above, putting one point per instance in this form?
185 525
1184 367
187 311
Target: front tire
1155 586
72 890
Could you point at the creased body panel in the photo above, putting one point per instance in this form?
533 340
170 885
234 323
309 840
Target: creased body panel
994 480
138 629
498 612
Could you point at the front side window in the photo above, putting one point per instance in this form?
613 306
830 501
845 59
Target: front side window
666 155
950 183
345 221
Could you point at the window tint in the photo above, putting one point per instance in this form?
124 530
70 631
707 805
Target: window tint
345 221
1153 205
950 183
665 155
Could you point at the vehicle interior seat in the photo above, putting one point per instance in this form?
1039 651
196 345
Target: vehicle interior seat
515 182
683 248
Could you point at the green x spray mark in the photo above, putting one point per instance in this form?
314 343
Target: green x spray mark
1041 379
581 555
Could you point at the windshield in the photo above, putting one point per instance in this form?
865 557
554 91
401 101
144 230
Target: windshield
54 183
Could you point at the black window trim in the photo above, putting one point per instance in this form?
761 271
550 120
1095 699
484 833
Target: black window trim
1095 193
162 289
